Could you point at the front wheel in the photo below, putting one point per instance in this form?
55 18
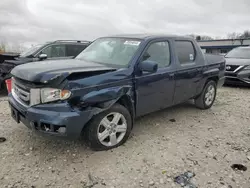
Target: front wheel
109 129
208 95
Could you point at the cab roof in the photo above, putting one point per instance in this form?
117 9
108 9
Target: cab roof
149 36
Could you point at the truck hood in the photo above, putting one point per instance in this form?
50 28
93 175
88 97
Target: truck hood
237 61
48 71
9 54
19 60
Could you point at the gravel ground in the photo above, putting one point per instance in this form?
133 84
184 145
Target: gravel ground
162 146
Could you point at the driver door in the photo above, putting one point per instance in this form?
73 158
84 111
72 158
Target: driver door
54 51
155 91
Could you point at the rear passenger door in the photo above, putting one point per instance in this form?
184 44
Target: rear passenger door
155 91
189 70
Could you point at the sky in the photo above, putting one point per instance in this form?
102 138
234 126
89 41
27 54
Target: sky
26 22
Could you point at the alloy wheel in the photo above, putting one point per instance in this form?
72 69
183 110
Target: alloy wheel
112 129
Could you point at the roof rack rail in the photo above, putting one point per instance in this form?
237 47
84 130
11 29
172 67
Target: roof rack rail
78 41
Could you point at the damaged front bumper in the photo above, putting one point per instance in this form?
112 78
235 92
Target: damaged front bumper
51 119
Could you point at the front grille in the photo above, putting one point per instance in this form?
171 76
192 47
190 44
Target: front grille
231 68
25 92
21 92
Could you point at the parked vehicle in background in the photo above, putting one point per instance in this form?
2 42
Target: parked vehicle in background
238 66
7 56
60 49
108 85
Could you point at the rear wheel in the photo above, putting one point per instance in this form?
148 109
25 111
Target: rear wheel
207 97
109 129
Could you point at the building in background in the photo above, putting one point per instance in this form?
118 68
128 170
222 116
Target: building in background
222 46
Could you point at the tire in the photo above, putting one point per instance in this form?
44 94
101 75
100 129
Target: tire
201 101
3 89
104 125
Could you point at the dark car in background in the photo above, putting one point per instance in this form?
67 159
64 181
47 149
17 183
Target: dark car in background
60 49
238 66
8 56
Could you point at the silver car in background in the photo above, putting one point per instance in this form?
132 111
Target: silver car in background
238 66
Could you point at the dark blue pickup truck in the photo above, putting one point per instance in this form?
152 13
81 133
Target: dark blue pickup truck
114 80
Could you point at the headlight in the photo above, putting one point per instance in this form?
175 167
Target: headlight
247 68
51 94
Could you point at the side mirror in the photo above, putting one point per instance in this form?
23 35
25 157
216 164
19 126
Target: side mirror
148 66
42 56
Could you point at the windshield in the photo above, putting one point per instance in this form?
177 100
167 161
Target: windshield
242 53
112 51
30 51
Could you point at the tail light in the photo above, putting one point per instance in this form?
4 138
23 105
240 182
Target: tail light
8 85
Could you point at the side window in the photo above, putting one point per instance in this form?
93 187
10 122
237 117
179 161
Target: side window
55 51
74 50
158 52
185 51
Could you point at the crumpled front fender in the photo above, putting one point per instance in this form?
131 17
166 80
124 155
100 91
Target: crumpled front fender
105 95
103 99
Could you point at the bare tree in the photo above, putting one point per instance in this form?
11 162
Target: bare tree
245 35
2 47
192 35
234 35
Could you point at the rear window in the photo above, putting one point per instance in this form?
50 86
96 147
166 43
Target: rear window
185 51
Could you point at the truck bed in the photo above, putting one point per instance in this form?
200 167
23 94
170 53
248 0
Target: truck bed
213 59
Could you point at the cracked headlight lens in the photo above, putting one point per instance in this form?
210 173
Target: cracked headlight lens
51 94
